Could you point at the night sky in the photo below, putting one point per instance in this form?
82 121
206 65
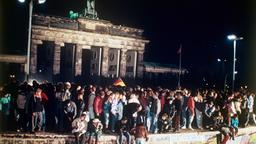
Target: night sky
201 26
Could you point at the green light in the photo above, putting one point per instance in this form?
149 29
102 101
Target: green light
73 15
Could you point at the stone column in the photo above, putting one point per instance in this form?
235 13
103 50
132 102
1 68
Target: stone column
135 65
33 55
140 57
123 62
118 63
104 64
100 60
78 61
56 57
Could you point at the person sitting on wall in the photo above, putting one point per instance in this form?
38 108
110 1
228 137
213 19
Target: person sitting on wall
122 128
163 123
218 121
140 133
234 125
226 131
79 126
94 129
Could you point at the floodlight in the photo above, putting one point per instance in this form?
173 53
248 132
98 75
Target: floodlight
232 37
41 1
21 1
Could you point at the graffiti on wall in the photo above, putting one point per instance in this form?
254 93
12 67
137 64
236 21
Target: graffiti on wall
242 139
47 141
209 138
35 141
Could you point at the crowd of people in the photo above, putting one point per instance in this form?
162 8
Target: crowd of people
120 110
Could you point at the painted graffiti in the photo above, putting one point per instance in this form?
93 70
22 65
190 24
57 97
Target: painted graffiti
35 141
47 141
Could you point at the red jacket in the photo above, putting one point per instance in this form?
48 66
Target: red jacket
44 97
98 105
143 101
162 100
191 104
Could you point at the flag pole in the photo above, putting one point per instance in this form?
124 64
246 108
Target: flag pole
180 50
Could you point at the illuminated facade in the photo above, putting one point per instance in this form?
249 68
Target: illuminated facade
67 48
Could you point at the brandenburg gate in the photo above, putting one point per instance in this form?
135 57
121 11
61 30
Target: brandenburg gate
65 48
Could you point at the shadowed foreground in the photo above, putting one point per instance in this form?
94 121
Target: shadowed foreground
245 135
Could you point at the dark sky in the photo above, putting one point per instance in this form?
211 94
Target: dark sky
201 26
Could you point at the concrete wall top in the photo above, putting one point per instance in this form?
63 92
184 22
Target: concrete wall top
245 135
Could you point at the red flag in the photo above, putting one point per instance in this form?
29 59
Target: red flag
119 82
179 50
